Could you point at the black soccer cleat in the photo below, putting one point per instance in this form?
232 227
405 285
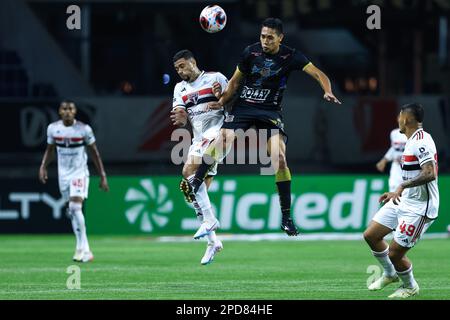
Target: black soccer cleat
186 189
288 226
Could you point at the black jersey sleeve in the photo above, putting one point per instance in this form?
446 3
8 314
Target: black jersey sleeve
244 63
299 61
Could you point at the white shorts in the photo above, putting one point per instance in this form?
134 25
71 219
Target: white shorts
74 187
199 146
408 226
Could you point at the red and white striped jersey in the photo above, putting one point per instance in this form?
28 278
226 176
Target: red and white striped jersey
419 149
70 144
194 97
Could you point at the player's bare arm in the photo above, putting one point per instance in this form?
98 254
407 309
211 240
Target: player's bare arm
99 165
233 86
323 80
427 174
46 160
381 165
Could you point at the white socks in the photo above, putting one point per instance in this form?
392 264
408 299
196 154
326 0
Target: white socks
203 208
78 225
408 277
383 259
203 204
75 228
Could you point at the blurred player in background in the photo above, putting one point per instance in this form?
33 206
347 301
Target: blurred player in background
70 136
394 155
262 75
410 209
192 95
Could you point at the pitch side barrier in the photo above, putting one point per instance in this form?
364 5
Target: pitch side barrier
337 206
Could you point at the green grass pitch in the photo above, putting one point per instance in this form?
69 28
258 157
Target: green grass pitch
34 267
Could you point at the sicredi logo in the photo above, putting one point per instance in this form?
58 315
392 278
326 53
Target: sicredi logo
311 211
149 205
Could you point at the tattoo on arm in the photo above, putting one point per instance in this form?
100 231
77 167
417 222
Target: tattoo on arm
427 174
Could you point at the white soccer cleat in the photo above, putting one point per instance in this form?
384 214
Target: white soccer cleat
382 282
87 256
206 228
403 292
211 250
78 256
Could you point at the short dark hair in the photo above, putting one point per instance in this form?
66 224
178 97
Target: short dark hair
68 101
273 23
186 54
415 109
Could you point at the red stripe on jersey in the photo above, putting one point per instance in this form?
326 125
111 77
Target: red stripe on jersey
76 139
200 93
58 138
410 158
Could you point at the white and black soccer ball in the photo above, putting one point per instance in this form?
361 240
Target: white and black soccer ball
213 19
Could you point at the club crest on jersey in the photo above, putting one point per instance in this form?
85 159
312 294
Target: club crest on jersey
66 142
193 97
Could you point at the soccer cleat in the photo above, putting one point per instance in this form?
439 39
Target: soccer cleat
382 282
211 250
186 189
206 228
287 225
87 256
78 256
404 292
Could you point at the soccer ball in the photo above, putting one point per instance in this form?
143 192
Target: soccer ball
213 19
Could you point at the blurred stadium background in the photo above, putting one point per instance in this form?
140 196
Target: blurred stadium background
113 68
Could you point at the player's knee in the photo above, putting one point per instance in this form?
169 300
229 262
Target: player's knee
369 237
282 161
75 206
186 172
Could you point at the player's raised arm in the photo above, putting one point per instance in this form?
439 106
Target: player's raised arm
46 160
99 165
323 80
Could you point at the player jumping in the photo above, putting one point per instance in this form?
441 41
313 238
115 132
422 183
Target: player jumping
193 94
263 72
70 136
410 209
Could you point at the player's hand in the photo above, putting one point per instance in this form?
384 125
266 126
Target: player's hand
43 176
395 196
217 89
179 117
104 184
331 98
381 165
215 105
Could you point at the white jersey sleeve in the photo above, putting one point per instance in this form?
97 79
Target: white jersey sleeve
178 97
423 151
50 138
89 137
222 80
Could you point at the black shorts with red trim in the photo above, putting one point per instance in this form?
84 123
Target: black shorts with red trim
245 117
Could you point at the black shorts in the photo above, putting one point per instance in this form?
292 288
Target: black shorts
244 118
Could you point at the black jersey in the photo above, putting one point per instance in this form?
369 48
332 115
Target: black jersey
266 75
